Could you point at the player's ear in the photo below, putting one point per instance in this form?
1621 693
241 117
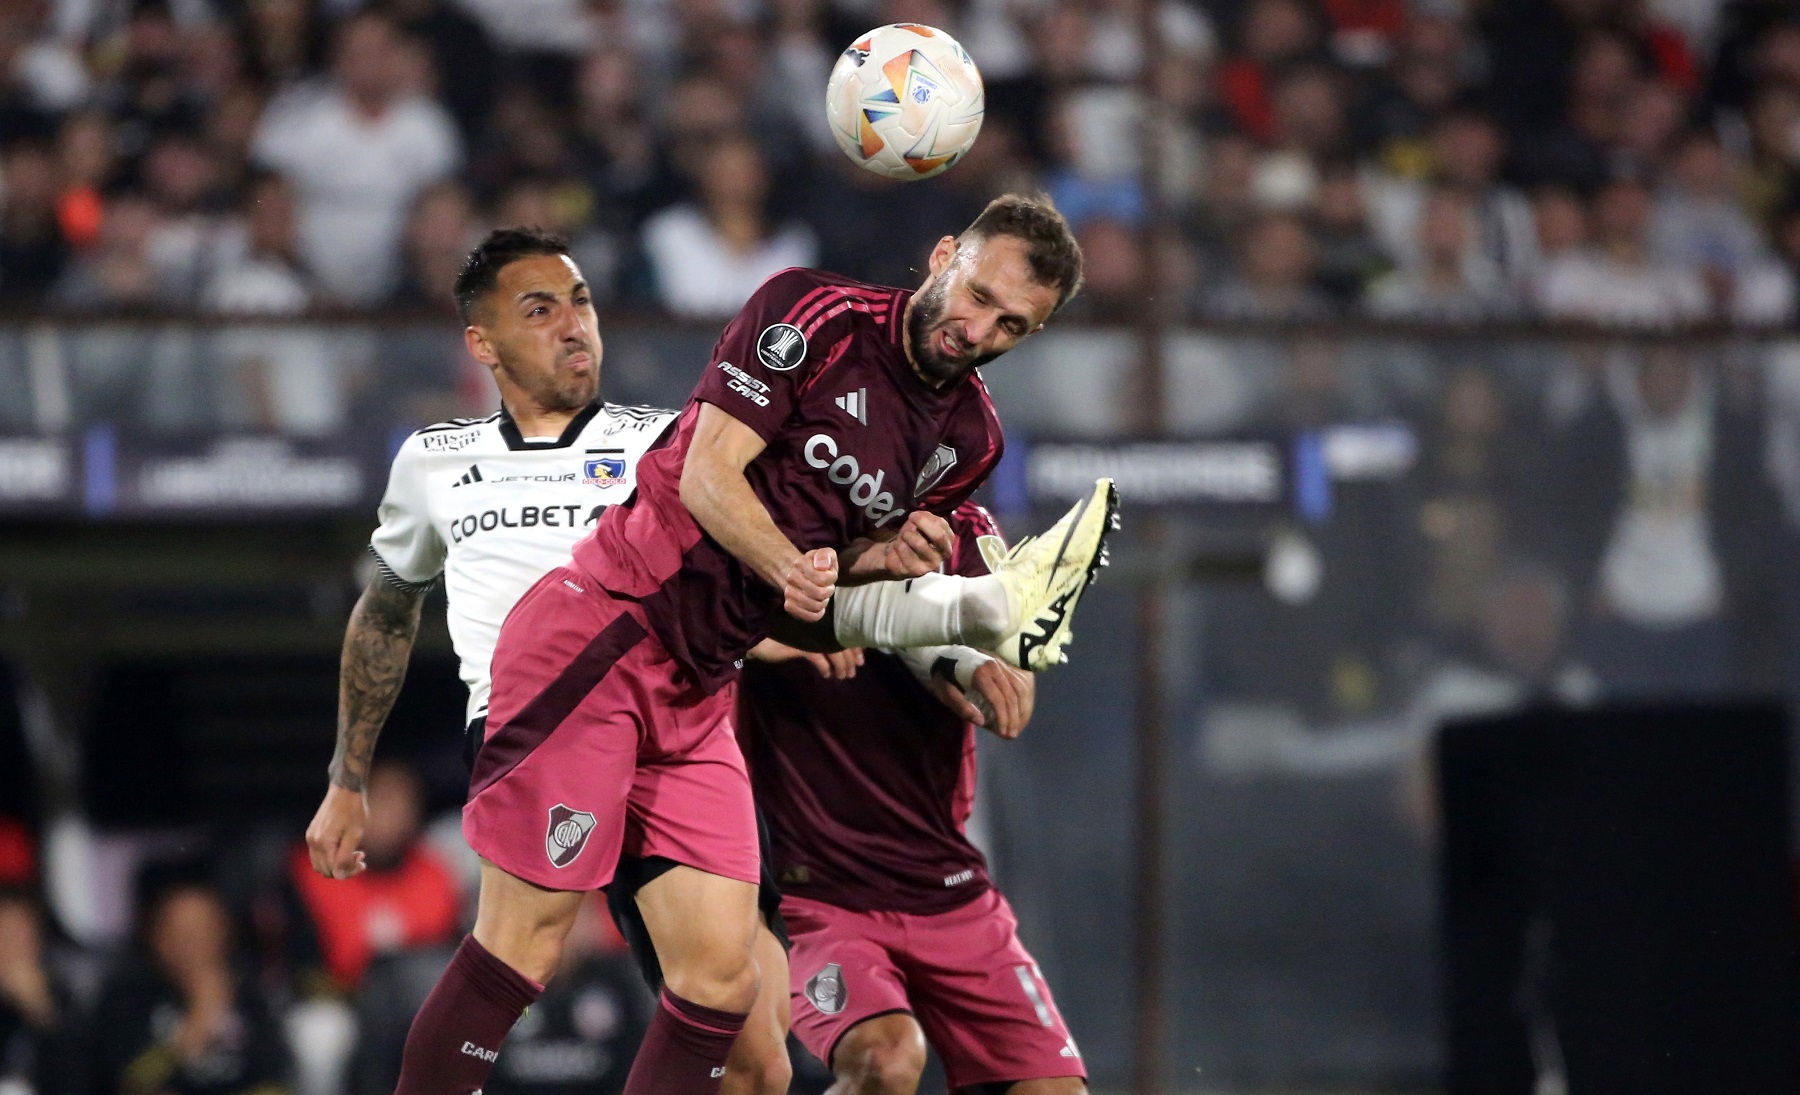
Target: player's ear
480 348
941 255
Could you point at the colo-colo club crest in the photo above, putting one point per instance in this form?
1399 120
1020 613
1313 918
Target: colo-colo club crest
567 835
603 467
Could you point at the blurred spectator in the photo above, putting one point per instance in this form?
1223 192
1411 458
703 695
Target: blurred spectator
118 272
697 111
580 1036
1225 202
260 271
39 75
564 206
406 898
1467 149
523 140
709 256
230 129
1114 52
33 249
1650 122
612 148
182 177
357 149
284 40
435 246
177 1016
1277 262
1676 590
466 63
1470 481
1093 137
87 156
39 1053
1112 268
1774 123
1421 85
1308 102
1619 280
285 380
1452 281
1270 35
1349 257
383 936
800 63
146 94
1697 221
1559 222
1576 151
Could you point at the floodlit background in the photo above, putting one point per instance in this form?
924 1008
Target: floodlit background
1467 329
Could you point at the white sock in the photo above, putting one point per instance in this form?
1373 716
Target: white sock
929 611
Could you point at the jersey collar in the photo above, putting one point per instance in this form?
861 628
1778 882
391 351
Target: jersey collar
515 440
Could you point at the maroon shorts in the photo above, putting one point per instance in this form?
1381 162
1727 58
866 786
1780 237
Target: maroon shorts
596 745
963 974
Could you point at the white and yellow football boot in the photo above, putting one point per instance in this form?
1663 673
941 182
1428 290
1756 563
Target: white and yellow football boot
1045 576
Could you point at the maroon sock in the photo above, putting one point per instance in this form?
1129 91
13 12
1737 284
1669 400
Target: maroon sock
457 1034
684 1050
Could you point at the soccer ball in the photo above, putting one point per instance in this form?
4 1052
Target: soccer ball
905 101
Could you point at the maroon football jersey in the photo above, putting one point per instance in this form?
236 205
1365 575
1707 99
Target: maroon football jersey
815 365
866 783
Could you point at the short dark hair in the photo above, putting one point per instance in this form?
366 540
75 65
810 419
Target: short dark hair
1050 244
501 248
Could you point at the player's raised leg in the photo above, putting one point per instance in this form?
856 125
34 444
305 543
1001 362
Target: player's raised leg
496 974
703 927
1021 611
759 1063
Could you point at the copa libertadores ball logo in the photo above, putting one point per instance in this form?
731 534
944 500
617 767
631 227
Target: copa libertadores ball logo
826 990
567 835
781 347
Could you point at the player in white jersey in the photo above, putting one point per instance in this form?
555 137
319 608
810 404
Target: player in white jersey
490 505
492 510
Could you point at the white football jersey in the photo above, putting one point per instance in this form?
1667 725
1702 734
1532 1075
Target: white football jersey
492 512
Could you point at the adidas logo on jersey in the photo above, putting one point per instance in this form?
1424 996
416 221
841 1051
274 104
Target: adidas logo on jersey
473 475
855 404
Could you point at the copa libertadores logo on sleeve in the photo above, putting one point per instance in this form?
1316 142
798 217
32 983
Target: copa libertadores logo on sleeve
567 834
781 347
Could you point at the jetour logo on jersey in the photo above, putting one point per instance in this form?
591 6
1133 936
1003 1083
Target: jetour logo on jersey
567 834
821 451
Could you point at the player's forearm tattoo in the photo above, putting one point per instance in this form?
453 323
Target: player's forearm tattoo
377 645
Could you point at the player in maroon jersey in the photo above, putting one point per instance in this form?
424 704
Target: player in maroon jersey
839 416
899 936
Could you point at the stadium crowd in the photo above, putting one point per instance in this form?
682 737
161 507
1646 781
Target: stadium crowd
1620 524
1613 160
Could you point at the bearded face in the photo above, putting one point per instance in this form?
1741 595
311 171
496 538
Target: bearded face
940 348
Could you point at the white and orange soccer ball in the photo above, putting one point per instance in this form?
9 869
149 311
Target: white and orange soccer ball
905 101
